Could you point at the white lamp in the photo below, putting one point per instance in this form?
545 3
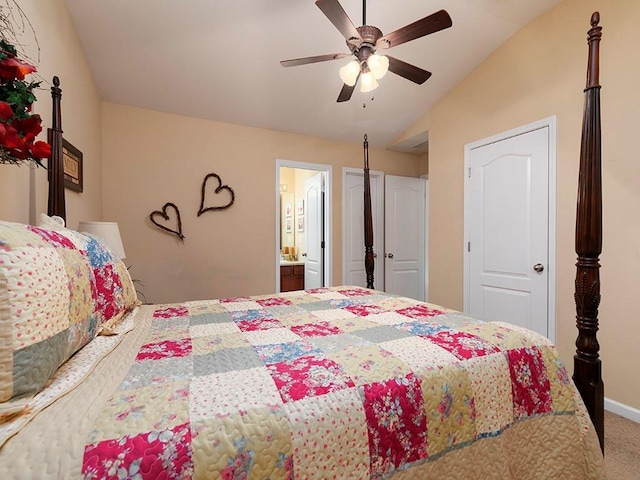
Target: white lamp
107 231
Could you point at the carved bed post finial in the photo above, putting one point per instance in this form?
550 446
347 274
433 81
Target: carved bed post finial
56 205
368 220
587 365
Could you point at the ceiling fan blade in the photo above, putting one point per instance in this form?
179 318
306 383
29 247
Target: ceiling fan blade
431 24
318 58
336 15
346 92
408 71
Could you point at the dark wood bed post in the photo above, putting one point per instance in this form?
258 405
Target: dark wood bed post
587 365
368 220
55 165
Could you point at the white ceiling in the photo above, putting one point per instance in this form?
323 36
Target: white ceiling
219 59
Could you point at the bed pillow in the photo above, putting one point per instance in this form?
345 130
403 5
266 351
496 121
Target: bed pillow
57 287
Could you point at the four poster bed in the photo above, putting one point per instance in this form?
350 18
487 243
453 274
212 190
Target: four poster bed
339 382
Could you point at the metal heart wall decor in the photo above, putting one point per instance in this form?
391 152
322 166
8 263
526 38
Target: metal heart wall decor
220 188
165 216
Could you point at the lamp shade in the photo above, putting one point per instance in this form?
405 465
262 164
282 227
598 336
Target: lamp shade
378 64
108 232
368 82
349 73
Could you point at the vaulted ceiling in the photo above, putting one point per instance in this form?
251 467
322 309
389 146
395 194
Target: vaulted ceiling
219 59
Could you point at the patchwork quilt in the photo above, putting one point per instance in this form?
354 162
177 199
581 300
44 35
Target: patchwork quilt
339 382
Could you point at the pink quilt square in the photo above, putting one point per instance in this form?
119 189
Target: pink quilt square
165 349
264 323
462 344
396 423
354 292
53 238
308 376
171 312
273 301
529 382
320 329
419 311
364 310
151 455
107 284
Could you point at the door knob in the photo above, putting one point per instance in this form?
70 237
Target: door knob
390 255
538 267
304 254
375 255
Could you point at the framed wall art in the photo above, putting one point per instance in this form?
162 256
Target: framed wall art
72 164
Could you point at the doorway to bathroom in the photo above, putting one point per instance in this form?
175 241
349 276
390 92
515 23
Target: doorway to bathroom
303 225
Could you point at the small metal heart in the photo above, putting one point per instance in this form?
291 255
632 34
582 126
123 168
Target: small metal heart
218 189
165 216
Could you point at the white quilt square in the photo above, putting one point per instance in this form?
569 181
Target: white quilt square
224 394
271 336
491 383
210 329
419 353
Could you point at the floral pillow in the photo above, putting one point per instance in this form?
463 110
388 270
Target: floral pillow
57 288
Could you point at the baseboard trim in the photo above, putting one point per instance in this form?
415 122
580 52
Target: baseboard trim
621 409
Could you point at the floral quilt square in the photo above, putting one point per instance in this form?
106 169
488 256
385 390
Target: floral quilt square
329 436
354 292
369 364
319 329
529 381
463 345
420 311
308 376
419 354
491 383
396 423
224 394
252 444
151 455
364 310
450 406
171 312
273 301
284 352
165 349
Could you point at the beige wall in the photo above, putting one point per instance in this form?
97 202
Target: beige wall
540 72
150 158
23 191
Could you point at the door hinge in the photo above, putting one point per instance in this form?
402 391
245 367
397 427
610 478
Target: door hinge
322 244
468 246
469 172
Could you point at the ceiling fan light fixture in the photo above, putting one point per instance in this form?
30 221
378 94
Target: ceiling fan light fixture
379 65
349 73
368 82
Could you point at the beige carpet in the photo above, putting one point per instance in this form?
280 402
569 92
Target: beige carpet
621 448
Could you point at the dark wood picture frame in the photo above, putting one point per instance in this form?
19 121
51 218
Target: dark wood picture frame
72 160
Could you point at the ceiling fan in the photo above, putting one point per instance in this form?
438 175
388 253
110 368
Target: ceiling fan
364 41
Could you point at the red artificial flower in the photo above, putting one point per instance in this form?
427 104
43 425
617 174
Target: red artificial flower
40 149
6 112
11 138
12 68
30 126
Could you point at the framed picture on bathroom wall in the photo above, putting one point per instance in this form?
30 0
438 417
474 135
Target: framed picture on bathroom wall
300 208
288 225
300 224
288 210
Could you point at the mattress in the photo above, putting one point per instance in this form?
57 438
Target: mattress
340 382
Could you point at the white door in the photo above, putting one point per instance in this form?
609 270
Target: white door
314 232
507 228
405 252
353 227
